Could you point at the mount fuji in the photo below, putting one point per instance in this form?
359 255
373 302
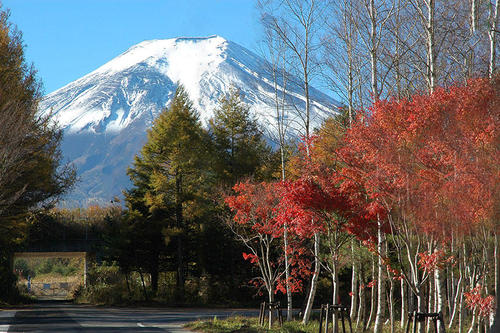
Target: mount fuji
105 114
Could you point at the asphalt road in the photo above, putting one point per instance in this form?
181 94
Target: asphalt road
67 317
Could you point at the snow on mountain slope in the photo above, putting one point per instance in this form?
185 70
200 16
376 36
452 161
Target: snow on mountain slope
106 113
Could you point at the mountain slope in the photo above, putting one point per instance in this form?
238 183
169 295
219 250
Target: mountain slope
106 113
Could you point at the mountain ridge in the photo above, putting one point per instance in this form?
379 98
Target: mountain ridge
106 113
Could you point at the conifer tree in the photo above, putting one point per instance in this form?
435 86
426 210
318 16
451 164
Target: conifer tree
171 174
240 148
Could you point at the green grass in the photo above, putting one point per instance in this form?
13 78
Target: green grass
251 325
248 325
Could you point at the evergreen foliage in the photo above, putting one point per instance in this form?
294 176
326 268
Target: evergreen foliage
171 178
240 148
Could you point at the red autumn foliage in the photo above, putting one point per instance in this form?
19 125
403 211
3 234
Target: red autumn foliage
371 284
429 262
251 257
256 207
475 301
432 158
321 194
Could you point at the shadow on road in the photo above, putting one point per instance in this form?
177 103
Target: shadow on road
64 316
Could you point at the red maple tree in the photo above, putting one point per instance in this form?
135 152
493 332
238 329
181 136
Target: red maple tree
256 207
431 161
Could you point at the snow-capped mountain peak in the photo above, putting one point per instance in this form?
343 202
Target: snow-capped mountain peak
105 114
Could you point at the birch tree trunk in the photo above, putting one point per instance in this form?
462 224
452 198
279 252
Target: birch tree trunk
431 53
372 298
270 294
431 46
289 307
493 27
426 14
354 284
314 281
404 310
460 313
473 16
361 308
473 323
496 323
431 293
335 293
458 291
373 49
379 317
439 296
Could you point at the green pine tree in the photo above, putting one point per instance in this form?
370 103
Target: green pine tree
172 174
240 148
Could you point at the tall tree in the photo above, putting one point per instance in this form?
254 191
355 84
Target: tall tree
171 174
240 148
342 54
254 207
297 23
276 55
494 8
430 161
31 172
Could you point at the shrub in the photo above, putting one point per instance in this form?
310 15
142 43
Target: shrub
105 285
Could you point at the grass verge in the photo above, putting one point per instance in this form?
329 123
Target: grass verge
248 325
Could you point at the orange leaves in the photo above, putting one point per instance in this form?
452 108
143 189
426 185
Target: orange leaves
260 213
432 157
483 305
321 196
429 262
255 205
436 260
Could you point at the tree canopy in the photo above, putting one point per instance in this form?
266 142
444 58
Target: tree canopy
171 175
239 144
32 174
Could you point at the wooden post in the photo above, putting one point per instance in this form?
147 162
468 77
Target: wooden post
415 322
270 309
320 318
85 269
410 317
421 317
350 324
342 318
336 311
262 314
327 317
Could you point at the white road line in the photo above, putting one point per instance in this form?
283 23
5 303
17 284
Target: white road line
5 315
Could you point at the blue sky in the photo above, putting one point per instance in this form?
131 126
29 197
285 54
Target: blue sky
66 39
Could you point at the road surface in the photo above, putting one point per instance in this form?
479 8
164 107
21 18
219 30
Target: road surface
67 317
